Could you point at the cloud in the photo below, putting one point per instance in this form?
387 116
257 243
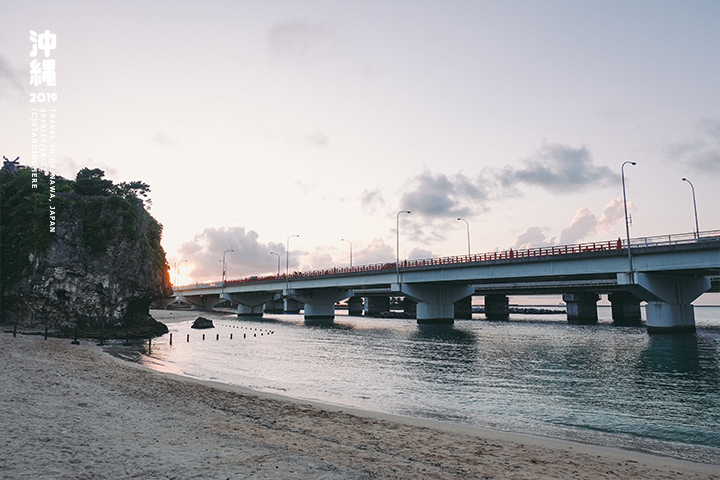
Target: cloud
376 252
702 153
420 254
438 195
164 141
584 224
371 200
11 79
559 169
318 139
303 42
250 257
533 237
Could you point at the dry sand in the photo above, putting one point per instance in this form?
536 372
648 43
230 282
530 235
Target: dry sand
75 412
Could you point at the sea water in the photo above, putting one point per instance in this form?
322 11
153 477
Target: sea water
535 374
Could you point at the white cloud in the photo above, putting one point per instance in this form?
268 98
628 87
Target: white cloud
702 153
250 257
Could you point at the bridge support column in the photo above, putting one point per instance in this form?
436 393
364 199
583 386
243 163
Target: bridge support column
625 308
375 305
435 302
410 306
463 308
200 302
497 307
581 308
319 303
275 305
355 306
291 306
249 304
669 298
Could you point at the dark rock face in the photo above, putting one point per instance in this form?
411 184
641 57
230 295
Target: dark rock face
103 267
202 322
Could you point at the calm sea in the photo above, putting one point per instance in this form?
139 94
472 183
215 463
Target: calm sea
536 374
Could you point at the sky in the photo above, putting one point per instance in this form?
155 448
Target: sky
253 121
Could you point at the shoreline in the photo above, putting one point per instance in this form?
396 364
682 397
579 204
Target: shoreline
78 412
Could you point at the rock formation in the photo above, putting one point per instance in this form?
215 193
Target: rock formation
100 269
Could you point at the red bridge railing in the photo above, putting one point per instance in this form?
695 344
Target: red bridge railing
486 257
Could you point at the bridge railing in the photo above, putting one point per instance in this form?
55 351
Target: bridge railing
619 244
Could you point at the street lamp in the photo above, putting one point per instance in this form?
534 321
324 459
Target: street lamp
468 233
278 255
346 240
224 266
287 261
697 229
176 270
397 251
627 225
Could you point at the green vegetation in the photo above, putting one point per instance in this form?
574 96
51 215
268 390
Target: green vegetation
105 212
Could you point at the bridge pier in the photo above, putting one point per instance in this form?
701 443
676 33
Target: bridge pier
319 303
410 306
497 307
249 304
275 305
435 302
200 302
463 308
291 306
625 309
669 308
355 306
581 308
375 305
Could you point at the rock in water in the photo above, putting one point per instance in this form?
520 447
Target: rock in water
202 322
99 267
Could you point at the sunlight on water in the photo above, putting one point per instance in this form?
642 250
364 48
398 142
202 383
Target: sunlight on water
602 384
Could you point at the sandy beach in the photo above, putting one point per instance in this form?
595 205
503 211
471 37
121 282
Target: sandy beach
75 412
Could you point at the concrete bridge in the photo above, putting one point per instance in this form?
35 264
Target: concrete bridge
668 272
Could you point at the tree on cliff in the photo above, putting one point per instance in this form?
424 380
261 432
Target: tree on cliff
100 266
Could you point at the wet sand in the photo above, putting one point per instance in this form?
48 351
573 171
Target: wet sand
75 412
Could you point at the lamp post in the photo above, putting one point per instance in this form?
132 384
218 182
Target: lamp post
287 261
468 233
627 224
278 255
176 270
225 266
346 240
697 228
397 251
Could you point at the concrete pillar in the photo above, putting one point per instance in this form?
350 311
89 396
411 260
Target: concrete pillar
355 306
319 303
463 308
581 307
435 302
200 302
375 305
291 306
625 308
248 311
669 297
276 305
497 307
410 306
249 304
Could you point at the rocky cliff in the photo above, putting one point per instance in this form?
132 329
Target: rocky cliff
100 268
